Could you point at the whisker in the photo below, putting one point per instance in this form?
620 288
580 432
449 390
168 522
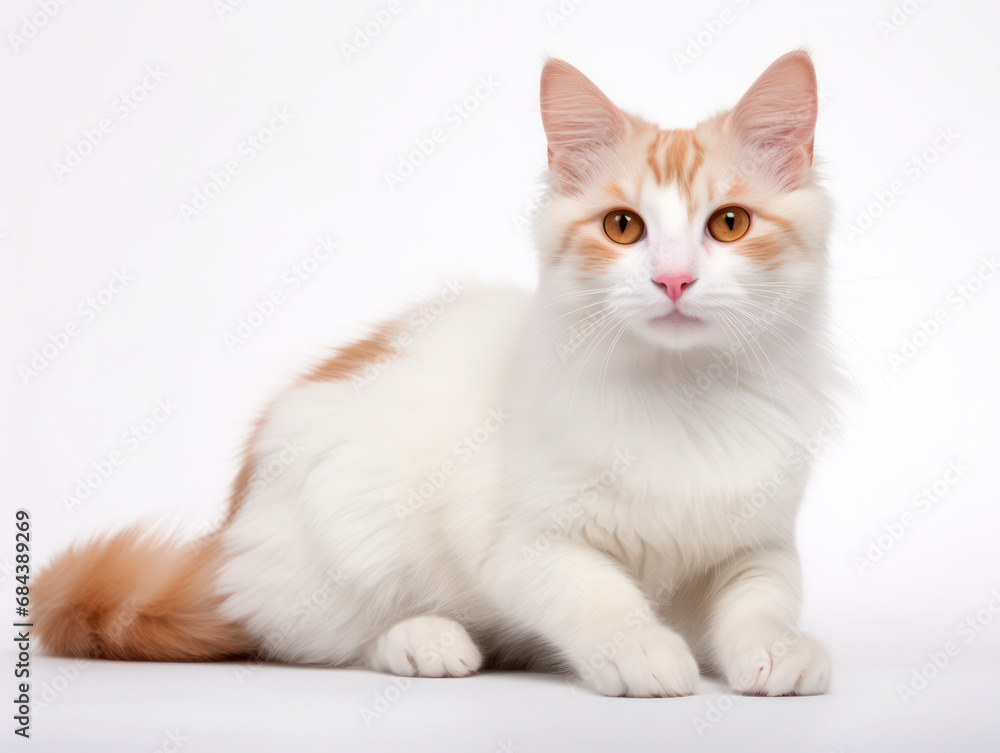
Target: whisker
607 361
586 357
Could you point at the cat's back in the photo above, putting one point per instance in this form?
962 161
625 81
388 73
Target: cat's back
414 385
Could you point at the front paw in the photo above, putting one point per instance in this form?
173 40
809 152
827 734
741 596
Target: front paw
788 663
653 662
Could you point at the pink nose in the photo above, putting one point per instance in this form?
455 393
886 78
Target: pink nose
675 285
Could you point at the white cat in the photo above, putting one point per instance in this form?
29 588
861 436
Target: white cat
602 476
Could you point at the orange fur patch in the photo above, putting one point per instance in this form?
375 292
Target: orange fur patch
764 249
241 484
568 238
654 157
675 156
616 194
133 597
593 255
352 358
347 362
597 256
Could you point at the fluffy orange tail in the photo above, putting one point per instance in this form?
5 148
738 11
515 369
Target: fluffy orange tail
130 596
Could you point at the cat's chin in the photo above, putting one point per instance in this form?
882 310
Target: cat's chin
677 331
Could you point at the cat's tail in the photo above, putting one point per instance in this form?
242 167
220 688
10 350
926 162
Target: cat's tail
137 596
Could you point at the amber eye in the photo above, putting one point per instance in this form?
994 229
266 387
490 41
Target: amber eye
624 226
729 224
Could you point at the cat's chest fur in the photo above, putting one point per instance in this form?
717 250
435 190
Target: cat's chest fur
652 473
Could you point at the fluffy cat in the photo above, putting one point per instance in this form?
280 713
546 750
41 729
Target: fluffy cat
602 476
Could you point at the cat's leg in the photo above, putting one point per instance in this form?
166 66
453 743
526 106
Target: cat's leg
583 603
754 638
425 646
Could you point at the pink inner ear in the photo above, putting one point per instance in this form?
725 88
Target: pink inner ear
777 118
579 120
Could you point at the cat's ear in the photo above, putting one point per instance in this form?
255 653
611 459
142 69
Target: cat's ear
776 118
580 122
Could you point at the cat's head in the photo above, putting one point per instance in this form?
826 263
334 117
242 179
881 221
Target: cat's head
683 238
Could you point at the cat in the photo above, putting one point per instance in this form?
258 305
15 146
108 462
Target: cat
601 477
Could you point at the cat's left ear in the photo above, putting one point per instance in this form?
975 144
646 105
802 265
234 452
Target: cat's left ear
776 118
580 122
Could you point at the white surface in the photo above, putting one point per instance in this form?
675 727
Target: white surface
163 336
135 707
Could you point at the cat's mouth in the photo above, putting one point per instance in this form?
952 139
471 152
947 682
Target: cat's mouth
676 318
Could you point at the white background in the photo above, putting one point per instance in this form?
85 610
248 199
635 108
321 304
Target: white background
886 95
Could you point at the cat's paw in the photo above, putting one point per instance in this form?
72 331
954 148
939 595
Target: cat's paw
653 662
426 646
790 664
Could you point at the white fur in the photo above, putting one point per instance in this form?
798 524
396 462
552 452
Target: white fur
601 523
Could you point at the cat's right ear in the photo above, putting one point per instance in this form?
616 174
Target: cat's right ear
580 122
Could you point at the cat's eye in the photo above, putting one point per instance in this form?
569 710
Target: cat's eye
624 226
729 224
